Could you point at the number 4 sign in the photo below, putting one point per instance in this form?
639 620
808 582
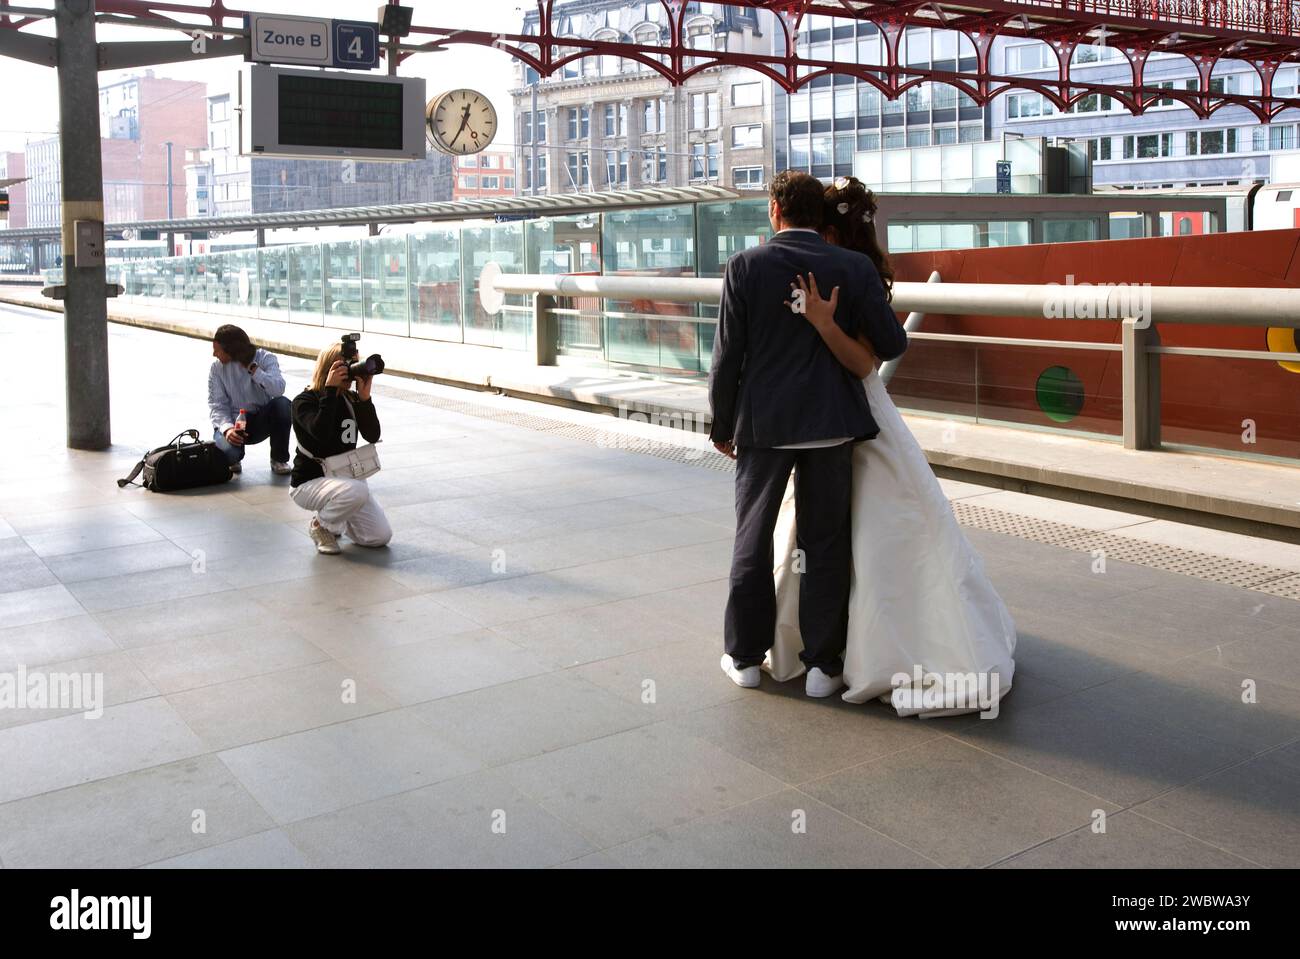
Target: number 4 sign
356 45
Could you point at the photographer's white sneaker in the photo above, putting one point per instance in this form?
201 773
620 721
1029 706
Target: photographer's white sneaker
236 468
281 469
818 685
326 542
746 676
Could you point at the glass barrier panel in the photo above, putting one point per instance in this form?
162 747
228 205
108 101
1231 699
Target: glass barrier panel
1078 391
244 282
343 284
274 286
435 285
384 271
655 241
306 285
570 245
502 243
1236 406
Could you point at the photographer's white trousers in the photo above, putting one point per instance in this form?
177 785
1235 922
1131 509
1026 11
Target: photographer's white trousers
345 508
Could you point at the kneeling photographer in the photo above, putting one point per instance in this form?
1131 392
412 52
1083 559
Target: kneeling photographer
329 471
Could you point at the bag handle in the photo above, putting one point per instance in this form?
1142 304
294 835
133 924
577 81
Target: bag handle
129 480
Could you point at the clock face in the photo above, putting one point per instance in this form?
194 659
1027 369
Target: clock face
461 122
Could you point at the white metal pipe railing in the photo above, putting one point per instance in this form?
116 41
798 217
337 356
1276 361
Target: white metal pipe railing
1227 306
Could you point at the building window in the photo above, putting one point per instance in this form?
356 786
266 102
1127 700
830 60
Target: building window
747 95
491 183
653 121
747 137
469 182
704 161
704 111
508 183
615 120
531 123
579 123
579 169
747 177
538 182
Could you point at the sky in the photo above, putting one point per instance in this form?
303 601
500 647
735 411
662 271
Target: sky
29 105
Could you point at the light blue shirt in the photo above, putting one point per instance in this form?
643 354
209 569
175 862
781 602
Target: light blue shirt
232 388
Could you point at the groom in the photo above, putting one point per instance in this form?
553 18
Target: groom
780 400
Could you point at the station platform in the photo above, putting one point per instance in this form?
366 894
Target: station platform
550 566
1256 498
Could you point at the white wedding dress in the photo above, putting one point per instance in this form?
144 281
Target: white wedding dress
920 602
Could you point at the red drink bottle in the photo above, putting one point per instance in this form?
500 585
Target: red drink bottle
241 423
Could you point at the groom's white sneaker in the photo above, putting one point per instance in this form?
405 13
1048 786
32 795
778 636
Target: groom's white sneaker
819 685
746 676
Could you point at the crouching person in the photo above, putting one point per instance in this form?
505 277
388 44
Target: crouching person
245 377
328 416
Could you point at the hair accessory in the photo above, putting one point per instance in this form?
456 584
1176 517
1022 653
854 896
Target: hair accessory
866 217
842 183
843 209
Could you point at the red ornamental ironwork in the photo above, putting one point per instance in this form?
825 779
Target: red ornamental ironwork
1262 33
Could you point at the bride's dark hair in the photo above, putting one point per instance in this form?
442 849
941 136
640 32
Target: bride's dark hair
850 210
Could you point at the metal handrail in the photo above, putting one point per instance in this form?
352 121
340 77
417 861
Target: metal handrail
1225 306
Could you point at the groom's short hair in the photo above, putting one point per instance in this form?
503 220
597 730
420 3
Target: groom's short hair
799 198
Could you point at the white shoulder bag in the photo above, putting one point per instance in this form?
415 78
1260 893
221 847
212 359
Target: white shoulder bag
351 464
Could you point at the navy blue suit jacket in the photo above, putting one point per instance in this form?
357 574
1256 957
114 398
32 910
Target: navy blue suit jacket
774 381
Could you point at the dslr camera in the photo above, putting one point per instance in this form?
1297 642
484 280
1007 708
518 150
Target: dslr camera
358 368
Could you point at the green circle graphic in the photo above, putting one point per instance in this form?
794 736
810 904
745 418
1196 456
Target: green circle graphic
1060 393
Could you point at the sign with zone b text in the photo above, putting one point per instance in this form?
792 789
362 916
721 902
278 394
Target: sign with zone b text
312 42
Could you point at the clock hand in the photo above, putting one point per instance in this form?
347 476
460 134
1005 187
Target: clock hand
463 121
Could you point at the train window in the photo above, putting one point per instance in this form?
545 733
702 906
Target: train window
1283 195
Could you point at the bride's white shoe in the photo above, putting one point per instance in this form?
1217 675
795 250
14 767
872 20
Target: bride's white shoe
818 685
746 676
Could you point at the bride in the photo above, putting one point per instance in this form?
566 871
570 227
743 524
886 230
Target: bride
927 632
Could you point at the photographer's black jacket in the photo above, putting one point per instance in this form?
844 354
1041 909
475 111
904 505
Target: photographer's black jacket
318 417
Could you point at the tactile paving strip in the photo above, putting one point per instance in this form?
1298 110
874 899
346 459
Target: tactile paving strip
1173 559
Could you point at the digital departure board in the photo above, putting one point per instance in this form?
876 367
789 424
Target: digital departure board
309 113
338 111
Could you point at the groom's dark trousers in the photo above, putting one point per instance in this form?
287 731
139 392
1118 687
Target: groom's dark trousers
823 478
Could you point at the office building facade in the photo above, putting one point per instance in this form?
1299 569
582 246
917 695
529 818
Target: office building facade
607 123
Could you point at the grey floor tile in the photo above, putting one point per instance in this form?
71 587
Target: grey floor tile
57 753
479 820
579 636
1207 701
50 642
668 681
788 830
444 666
30 572
1274 654
193 616
621 787
117 561
41 604
277 704
523 597
350 633
1250 810
272 849
83 538
501 724
1130 841
174 584
1166 624
796 739
351 585
222 657
1102 745
1000 808
131 819
323 770
1059 648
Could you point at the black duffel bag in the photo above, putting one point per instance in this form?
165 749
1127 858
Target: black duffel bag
184 463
